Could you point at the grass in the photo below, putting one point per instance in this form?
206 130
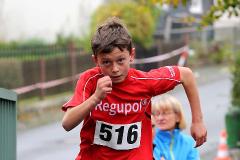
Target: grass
34 112
36 99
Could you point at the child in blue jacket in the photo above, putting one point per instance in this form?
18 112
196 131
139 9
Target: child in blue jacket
170 143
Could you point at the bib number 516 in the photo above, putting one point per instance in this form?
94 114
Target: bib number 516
118 136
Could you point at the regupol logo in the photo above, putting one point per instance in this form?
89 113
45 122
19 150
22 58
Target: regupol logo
121 108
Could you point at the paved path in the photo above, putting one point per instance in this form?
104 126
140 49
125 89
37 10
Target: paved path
52 142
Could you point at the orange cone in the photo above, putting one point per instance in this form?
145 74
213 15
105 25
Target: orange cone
222 153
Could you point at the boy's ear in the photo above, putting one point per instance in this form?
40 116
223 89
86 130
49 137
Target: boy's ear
132 54
94 58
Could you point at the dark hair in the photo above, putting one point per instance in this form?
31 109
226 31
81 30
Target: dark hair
110 35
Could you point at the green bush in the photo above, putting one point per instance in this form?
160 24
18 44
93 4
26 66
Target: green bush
29 43
236 81
10 73
139 20
220 52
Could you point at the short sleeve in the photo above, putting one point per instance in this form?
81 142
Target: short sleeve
82 92
164 79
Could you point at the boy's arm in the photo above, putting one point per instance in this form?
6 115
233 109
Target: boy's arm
74 116
198 129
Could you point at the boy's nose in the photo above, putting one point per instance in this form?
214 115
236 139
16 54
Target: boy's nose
115 68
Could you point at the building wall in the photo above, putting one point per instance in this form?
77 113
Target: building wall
230 27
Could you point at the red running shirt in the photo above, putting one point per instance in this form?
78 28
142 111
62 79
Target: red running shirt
119 127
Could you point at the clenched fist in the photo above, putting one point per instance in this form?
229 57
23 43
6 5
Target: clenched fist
104 86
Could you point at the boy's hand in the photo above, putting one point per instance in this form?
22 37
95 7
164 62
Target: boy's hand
104 86
199 133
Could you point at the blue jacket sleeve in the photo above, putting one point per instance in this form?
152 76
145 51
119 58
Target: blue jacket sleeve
193 152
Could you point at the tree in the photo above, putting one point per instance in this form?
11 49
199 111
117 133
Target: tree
138 18
230 7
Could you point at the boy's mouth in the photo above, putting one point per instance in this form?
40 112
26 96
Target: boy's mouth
115 77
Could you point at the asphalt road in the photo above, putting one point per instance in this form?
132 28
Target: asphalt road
52 142
215 100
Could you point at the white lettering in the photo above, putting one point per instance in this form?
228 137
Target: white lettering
112 110
105 107
99 106
119 108
136 107
128 108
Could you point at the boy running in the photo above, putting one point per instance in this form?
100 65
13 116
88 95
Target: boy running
114 100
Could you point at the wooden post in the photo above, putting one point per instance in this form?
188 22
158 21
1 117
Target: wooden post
42 77
72 53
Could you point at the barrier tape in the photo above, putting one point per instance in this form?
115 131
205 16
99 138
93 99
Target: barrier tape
45 85
162 57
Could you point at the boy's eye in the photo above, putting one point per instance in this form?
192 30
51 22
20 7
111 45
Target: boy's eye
105 62
121 60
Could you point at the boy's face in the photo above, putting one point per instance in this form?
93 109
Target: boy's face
115 64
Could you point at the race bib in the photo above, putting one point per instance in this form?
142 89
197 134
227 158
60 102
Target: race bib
118 136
